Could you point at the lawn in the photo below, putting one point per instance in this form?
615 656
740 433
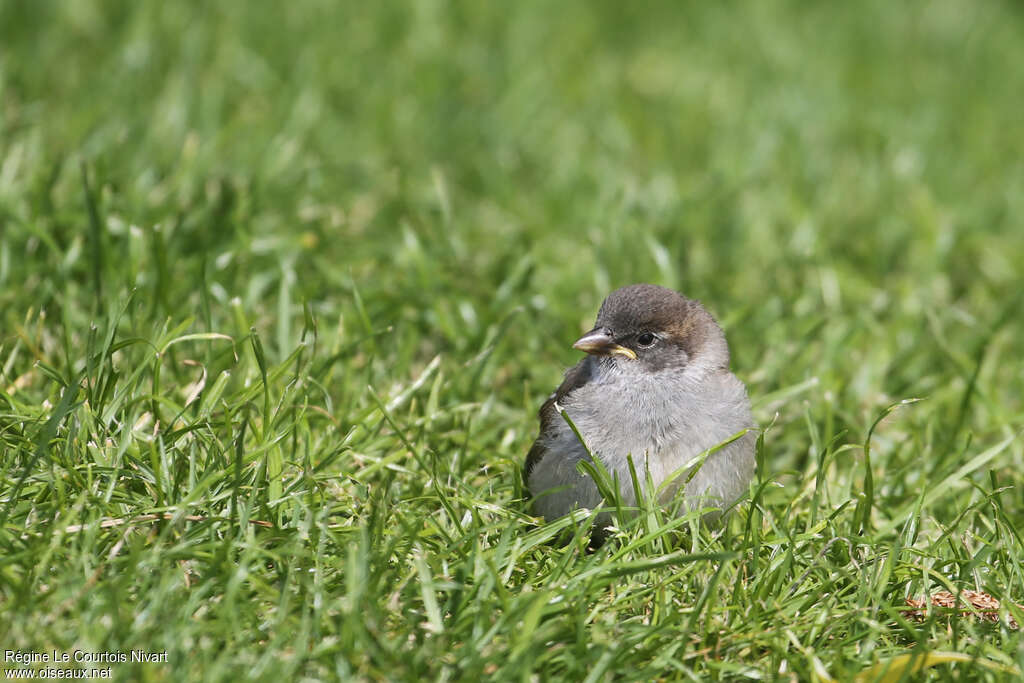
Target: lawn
282 286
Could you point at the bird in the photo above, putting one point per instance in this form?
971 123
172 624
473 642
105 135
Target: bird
655 385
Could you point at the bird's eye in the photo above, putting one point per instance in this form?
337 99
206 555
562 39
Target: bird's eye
645 339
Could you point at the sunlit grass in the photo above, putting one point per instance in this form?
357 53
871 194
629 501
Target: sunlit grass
282 288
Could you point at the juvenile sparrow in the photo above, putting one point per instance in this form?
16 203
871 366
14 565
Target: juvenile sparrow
655 385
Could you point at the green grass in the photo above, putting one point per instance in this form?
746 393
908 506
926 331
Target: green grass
282 286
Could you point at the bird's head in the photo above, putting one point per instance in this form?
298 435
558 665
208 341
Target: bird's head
655 328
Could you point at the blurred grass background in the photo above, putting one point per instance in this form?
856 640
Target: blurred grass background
369 186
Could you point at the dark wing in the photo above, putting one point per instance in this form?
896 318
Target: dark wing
575 377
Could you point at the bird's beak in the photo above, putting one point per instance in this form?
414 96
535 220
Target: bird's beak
599 342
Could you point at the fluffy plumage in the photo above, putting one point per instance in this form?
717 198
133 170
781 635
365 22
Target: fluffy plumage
655 384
